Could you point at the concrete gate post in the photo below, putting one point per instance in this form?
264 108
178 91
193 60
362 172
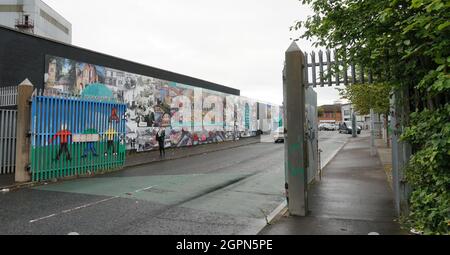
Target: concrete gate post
25 91
295 145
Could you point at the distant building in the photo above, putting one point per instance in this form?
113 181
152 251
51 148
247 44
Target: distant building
36 17
330 114
363 120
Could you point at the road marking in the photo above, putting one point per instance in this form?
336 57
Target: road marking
43 218
73 234
374 234
85 206
144 189
88 205
73 209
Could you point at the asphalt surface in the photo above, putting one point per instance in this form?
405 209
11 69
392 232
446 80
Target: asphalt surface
223 192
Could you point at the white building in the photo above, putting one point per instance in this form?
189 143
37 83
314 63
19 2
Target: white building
347 111
36 17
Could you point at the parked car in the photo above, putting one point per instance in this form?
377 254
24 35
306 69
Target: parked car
278 135
346 128
333 127
328 127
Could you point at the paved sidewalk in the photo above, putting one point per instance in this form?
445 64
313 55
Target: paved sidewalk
353 198
6 180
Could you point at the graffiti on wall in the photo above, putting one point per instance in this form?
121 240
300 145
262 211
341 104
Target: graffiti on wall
190 115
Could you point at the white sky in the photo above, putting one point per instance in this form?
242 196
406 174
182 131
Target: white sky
236 43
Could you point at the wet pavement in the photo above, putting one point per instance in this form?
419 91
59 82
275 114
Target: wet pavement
222 192
230 191
353 198
138 159
6 180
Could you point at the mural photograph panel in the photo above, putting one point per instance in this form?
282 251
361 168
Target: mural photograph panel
181 98
230 118
247 117
60 74
146 109
213 117
254 117
88 74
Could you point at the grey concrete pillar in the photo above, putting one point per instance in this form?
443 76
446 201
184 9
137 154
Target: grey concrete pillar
25 91
295 146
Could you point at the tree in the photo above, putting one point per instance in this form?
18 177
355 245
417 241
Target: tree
368 96
365 97
320 111
406 44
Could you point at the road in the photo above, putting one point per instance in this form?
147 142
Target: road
224 192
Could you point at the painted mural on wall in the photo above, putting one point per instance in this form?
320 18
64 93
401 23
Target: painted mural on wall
190 115
70 136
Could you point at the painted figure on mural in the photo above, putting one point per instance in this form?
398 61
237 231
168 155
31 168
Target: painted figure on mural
110 137
114 116
64 136
130 83
165 121
90 146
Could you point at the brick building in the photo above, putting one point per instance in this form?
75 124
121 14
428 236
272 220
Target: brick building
330 114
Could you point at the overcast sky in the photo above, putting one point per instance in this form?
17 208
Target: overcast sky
236 43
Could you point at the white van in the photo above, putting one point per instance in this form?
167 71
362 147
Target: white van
278 135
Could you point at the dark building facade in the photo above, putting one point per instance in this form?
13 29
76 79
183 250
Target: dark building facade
24 56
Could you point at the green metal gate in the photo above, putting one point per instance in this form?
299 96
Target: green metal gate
73 136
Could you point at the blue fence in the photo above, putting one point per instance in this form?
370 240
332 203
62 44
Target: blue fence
74 136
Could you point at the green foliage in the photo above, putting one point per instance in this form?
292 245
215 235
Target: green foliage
406 43
429 170
320 111
368 96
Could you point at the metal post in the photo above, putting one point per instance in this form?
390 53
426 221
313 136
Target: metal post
395 150
25 91
354 130
295 145
373 151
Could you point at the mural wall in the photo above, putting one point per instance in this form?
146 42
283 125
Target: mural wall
190 115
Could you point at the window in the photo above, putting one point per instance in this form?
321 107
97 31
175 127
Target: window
11 8
347 112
